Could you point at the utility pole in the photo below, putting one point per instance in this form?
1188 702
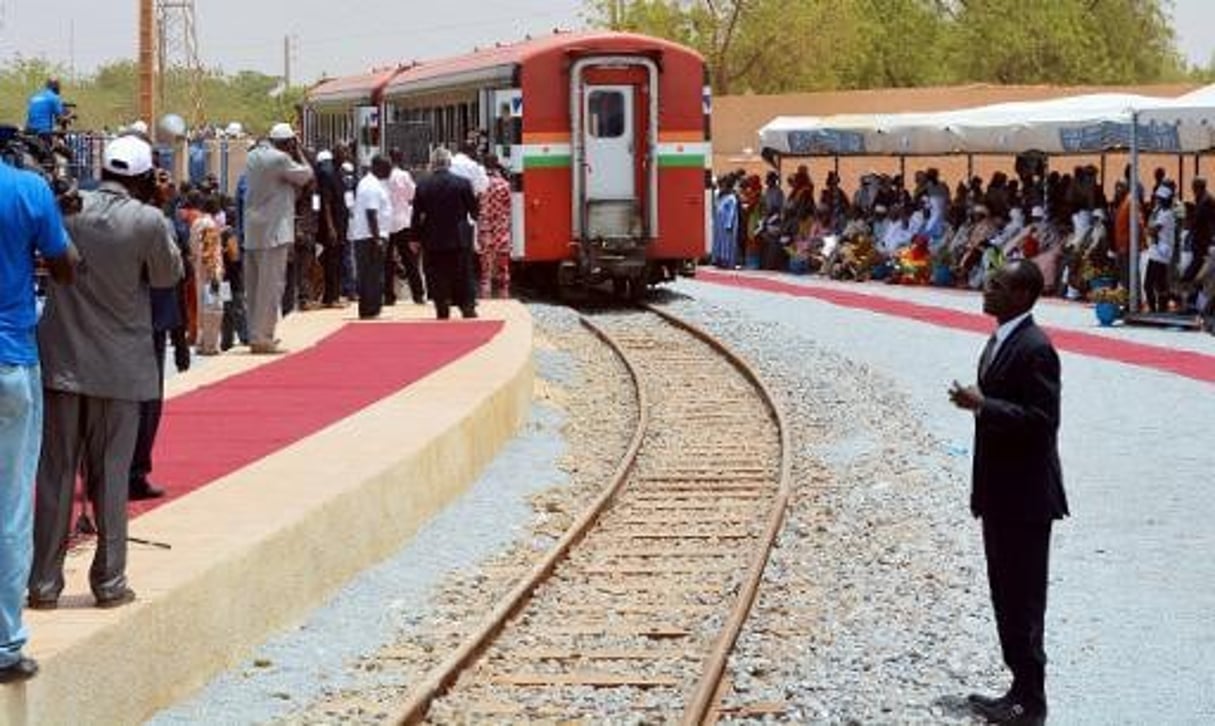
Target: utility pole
287 61
147 61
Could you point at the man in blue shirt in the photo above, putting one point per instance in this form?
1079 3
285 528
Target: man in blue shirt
45 109
29 222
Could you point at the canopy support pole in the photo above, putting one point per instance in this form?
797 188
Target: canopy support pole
836 162
1180 177
903 169
1133 190
1103 163
970 167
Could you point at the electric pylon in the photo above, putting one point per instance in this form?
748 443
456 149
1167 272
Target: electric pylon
177 52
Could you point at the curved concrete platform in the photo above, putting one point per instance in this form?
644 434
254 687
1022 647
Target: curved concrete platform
255 550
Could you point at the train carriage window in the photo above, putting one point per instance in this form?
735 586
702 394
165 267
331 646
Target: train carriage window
605 114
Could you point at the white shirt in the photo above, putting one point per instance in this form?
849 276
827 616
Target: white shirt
400 190
897 236
1164 224
370 195
463 165
1004 331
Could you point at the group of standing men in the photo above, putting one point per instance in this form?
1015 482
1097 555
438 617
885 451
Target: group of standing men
435 229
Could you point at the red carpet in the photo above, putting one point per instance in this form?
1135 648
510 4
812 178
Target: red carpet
1185 363
213 431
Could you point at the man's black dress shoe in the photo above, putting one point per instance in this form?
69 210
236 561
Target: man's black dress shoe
980 702
23 670
138 491
118 599
1006 711
42 603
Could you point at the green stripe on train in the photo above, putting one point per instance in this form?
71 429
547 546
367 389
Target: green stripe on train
547 161
681 161
561 161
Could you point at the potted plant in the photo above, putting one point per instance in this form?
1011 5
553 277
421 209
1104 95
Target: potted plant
1108 303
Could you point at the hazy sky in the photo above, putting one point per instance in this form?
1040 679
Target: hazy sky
348 37
329 36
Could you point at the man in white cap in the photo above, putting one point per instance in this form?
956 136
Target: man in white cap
97 365
276 171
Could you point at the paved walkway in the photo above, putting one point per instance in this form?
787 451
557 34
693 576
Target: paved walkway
1050 311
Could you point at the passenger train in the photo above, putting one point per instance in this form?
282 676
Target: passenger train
605 137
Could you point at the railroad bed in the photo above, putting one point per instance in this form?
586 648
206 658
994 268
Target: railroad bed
633 614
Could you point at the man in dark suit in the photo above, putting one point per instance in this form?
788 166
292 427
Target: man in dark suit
1017 487
443 206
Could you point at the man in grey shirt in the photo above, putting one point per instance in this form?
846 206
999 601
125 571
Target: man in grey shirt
97 365
275 170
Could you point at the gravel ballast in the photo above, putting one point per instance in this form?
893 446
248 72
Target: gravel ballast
896 619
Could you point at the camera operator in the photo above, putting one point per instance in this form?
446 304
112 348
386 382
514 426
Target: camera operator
46 112
29 222
97 368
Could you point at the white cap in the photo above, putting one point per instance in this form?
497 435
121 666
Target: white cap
140 127
127 156
325 155
1037 212
1164 192
347 167
281 132
234 129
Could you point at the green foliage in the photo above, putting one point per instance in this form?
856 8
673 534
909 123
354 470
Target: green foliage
107 98
772 46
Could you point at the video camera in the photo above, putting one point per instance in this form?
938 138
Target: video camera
26 151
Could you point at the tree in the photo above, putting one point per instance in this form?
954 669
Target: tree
1076 42
778 46
106 99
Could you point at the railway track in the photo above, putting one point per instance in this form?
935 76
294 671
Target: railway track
632 616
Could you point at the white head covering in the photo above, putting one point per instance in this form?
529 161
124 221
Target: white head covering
127 156
281 132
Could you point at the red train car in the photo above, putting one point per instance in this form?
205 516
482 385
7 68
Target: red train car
605 135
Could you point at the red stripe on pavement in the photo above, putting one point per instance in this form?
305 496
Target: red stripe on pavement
1189 364
215 430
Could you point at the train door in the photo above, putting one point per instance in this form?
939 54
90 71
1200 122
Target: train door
610 148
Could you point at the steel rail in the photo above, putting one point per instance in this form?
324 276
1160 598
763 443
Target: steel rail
440 679
704 698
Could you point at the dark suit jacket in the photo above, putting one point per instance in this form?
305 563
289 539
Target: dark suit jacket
1017 476
442 207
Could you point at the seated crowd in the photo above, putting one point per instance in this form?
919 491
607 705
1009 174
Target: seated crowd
926 234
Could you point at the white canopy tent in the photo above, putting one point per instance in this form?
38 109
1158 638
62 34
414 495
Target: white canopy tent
1071 125
1076 124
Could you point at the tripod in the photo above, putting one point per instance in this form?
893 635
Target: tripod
87 527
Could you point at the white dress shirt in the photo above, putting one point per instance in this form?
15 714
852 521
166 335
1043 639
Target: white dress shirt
400 189
464 165
370 196
1004 331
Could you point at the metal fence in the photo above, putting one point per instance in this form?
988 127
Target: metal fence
193 161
